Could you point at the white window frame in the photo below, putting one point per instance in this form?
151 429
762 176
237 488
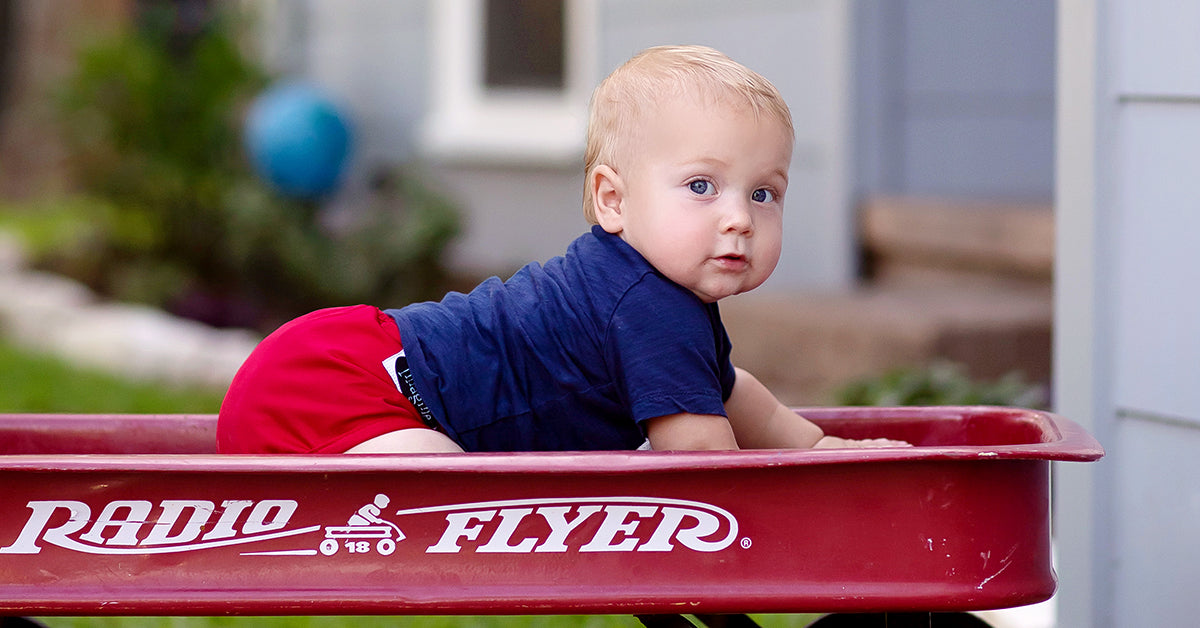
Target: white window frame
469 122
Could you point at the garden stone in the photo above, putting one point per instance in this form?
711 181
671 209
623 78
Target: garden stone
51 314
143 343
35 305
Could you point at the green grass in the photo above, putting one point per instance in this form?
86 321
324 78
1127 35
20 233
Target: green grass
38 383
31 382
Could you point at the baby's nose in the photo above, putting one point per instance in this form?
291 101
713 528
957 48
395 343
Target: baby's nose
737 217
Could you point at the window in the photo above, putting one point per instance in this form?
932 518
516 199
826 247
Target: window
524 44
511 80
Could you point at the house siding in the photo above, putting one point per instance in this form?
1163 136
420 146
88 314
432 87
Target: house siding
374 57
915 97
1128 348
955 98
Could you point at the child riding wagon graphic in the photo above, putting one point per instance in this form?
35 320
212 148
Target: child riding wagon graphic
364 525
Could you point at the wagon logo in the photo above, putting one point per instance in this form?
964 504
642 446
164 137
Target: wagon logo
181 525
364 524
523 526
606 524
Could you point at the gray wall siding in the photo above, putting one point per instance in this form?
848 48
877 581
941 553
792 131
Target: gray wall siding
1156 351
1156 561
955 98
1157 346
1128 325
375 55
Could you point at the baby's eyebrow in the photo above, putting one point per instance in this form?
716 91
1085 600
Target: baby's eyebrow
782 174
708 162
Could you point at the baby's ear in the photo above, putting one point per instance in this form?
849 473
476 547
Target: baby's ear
608 196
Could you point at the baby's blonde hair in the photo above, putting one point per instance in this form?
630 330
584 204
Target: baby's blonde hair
666 71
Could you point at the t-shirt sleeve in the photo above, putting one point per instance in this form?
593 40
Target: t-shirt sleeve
669 352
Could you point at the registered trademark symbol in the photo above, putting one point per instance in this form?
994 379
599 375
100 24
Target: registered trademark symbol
746 542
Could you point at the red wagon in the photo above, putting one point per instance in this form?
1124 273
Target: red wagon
135 514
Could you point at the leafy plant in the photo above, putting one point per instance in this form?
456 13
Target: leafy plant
178 219
940 384
151 122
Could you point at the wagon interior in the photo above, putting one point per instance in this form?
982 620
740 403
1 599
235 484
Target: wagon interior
25 434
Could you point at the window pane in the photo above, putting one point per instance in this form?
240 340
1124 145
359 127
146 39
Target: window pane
524 44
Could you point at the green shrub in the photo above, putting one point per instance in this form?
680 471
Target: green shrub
152 131
940 384
174 215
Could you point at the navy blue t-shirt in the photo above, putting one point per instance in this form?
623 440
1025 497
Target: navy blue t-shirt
570 355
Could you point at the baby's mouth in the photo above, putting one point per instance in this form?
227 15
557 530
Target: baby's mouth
731 259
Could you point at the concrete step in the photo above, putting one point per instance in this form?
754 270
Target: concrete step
923 242
805 346
967 281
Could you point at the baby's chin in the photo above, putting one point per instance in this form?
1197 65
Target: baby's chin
714 295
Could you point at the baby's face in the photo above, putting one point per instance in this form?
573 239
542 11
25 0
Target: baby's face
704 191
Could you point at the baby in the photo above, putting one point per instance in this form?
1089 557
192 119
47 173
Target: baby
617 342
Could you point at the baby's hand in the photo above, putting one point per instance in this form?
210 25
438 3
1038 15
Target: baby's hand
834 442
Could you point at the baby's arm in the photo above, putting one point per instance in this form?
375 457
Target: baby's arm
760 421
686 431
757 420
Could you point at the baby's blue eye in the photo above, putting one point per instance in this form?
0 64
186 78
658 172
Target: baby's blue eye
700 186
762 196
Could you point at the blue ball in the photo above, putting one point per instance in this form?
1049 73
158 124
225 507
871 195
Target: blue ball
297 140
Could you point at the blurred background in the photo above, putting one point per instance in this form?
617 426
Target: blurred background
240 163
990 202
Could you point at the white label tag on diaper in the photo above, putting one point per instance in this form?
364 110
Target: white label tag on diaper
389 363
